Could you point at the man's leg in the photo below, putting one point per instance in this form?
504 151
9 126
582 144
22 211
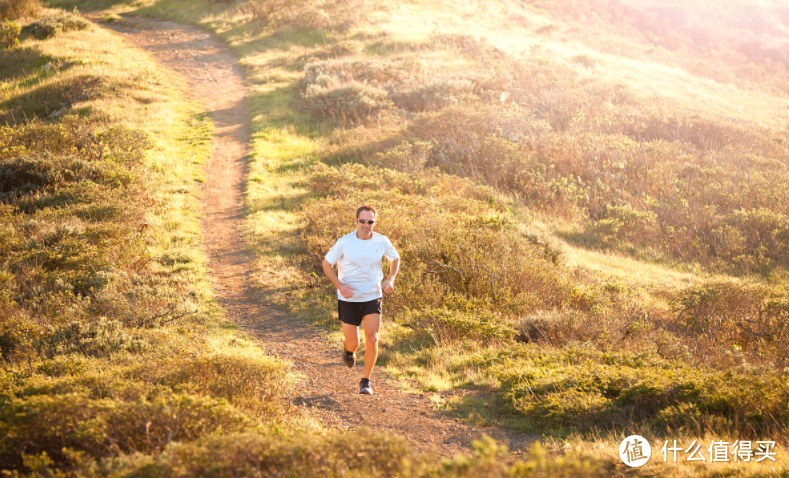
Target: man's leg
351 333
372 324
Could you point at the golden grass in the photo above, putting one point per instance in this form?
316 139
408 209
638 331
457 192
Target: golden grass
282 147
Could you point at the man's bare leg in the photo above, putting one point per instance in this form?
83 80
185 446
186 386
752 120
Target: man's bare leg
351 333
372 324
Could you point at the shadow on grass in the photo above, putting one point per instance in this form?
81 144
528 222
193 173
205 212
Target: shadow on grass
47 99
587 242
89 5
484 408
275 109
23 60
281 204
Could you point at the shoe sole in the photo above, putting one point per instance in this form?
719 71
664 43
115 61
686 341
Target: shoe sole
367 391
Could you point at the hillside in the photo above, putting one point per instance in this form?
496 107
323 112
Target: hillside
589 199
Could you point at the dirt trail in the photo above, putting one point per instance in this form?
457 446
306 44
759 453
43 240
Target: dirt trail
329 388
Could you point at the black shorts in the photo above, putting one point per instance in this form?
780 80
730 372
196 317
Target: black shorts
353 312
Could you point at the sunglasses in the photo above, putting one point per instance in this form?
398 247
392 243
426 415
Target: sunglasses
366 222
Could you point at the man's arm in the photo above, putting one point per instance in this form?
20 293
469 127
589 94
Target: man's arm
388 284
345 291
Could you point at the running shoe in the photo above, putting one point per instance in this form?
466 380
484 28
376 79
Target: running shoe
349 358
364 387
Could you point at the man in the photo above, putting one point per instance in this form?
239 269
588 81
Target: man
358 257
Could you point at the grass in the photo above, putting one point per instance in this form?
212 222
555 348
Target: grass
103 338
607 276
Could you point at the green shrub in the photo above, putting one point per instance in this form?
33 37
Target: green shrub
74 136
445 326
32 173
52 99
112 18
407 157
359 453
18 337
9 33
100 338
66 426
62 365
255 384
69 228
579 389
622 226
752 319
51 25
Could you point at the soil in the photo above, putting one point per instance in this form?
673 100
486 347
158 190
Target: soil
327 388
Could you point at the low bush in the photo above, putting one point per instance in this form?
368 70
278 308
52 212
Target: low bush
67 219
373 72
445 326
52 25
362 452
100 338
253 384
433 94
610 183
320 15
579 389
349 102
70 428
75 136
750 320
622 227
9 34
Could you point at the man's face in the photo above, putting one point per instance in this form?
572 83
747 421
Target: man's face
364 227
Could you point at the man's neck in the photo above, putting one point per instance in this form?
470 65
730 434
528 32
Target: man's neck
364 238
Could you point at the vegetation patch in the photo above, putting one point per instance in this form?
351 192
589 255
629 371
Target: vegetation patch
578 389
51 25
15 9
107 348
480 175
9 34
331 15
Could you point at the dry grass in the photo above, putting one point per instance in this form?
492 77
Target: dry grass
610 290
106 314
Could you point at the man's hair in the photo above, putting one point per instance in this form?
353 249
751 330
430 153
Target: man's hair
366 207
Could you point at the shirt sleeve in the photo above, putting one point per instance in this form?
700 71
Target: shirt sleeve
335 253
389 251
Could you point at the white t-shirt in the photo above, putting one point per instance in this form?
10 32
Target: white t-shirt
359 264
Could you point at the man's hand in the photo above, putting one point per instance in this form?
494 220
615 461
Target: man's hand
346 291
388 286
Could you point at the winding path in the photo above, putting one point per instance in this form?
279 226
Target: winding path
328 388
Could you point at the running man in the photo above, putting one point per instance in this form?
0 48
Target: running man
358 257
